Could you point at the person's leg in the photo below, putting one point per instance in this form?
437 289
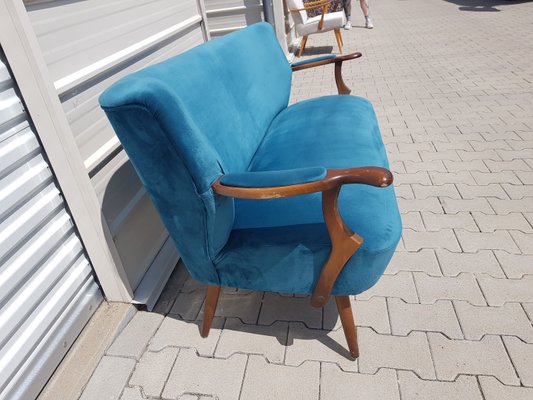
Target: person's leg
347 5
366 13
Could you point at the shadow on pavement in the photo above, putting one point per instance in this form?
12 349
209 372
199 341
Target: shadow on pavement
484 5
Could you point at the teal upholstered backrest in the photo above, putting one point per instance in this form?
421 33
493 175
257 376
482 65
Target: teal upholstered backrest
190 119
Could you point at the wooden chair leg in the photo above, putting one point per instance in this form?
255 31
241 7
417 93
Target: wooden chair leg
302 45
348 325
339 39
211 300
340 36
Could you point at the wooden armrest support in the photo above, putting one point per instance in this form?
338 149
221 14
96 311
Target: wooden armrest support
341 86
344 242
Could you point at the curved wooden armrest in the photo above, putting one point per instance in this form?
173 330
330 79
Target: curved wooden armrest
341 86
374 176
312 5
344 242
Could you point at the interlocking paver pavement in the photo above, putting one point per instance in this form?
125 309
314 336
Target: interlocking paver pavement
451 82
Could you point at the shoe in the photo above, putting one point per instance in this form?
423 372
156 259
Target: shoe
348 25
368 23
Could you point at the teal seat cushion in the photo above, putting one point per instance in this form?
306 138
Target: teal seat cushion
282 244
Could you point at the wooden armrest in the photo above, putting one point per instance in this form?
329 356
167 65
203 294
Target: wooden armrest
344 242
324 61
312 5
341 86
374 176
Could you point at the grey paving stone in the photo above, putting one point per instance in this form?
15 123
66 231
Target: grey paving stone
413 220
454 206
437 222
484 357
398 352
192 374
178 333
472 242
152 371
461 287
442 178
495 390
514 165
435 165
400 285
339 385
243 305
438 317
424 260
404 191
371 313
281 308
476 191
522 356
524 241
474 165
490 223
518 191
515 265
500 291
414 388
509 319
444 238
132 394
407 179
306 344
264 380
509 206
483 261
448 190
528 308
268 341
187 305
431 204
109 378
133 339
485 178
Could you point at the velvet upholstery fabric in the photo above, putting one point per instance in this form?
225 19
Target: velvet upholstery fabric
334 132
220 109
263 179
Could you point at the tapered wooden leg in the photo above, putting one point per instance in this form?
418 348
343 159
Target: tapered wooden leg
339 39
302 45
345 312
211 300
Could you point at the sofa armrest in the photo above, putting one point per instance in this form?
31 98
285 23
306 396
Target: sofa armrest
316 62
344 242
264 179
374 176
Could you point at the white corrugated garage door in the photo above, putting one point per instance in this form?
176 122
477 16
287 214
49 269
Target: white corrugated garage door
88 45
47 288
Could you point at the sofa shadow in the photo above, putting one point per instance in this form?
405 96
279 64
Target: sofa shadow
183 299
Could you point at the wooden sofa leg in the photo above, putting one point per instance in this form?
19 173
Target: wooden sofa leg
348 325
339 39
302 45
211 300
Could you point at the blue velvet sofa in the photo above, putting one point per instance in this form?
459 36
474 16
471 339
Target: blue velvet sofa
255 193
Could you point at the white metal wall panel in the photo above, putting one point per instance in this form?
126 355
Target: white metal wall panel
47 288
87 46
225 16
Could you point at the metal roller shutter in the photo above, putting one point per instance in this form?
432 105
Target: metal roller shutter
47 288
88 45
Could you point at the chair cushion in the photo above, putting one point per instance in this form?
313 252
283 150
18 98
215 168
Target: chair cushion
264 253
332 21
